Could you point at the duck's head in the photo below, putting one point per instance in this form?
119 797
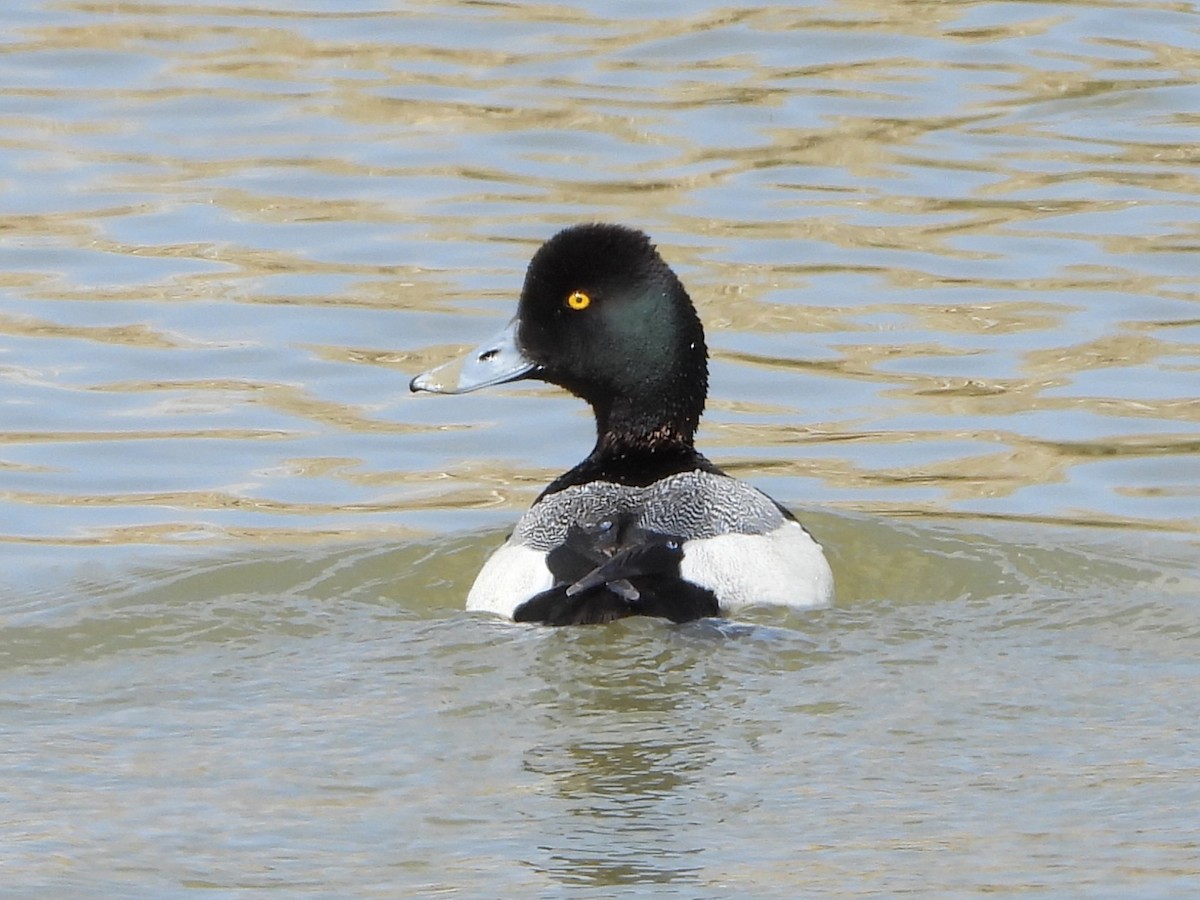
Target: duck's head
603 316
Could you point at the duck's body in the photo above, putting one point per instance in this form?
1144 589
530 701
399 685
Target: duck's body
726 546
645 525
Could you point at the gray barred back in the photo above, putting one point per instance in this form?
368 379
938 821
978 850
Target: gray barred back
689 506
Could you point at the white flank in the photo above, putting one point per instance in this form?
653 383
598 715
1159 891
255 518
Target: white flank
510 576
783 568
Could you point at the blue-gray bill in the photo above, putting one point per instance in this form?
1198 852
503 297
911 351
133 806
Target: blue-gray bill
496 361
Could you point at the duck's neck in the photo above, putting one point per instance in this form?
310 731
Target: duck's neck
634 447
623 429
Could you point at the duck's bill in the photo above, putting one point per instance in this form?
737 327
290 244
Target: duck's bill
493 362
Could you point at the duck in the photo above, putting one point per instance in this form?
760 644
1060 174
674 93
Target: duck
645 525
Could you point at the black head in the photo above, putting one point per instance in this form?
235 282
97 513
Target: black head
603 316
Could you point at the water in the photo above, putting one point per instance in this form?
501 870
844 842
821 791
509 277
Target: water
946 256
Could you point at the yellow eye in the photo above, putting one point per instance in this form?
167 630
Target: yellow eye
579 300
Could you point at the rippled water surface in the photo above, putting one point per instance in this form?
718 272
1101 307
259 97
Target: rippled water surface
947 257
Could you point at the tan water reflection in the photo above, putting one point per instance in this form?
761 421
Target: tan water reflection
946 256
267 219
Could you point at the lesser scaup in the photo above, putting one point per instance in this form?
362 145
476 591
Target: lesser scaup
645 525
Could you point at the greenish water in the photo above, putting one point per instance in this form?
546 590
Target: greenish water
946 257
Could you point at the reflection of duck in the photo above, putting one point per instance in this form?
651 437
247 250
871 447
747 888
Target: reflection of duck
645 525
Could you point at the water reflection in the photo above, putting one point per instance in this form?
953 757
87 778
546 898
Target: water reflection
910 223
946 259
627 749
